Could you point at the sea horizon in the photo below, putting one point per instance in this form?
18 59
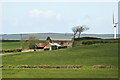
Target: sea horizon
43 36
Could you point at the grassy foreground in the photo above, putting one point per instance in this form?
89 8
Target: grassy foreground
60 73
86 55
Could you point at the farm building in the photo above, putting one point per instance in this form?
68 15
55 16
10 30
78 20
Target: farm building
62 42
52 46
48 46
40 45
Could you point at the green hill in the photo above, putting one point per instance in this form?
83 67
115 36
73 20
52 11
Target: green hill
85 55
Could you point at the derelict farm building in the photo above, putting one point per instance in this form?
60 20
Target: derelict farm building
62 42
53 44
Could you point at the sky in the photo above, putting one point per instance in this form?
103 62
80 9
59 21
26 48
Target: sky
58 17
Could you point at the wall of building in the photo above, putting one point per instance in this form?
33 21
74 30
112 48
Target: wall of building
61 42
47 46
50 47
64 43
53 47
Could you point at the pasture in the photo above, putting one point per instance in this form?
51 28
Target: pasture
85 55
15 45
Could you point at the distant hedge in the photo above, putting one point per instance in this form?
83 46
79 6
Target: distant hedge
102 41
76 43
11 50
9 40
86 38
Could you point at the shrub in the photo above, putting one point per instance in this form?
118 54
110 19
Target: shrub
22 43
31 42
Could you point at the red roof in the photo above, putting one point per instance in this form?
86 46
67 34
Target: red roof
42 44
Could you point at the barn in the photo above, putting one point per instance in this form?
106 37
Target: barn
62 42
53 44
47 46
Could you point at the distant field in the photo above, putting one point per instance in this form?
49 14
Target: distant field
15 45
86 55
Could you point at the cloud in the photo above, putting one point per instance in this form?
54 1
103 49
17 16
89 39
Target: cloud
44 14
41 13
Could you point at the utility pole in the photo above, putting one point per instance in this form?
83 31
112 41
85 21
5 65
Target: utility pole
21 36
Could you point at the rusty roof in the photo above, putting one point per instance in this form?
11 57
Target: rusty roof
42 44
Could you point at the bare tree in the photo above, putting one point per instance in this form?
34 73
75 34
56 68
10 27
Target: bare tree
75 30
81 29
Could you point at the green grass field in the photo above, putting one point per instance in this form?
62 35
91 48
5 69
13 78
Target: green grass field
85 55
15 45
60 73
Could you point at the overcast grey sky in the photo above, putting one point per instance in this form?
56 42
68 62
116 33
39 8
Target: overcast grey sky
38 17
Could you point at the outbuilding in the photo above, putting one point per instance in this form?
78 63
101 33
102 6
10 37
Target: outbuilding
62 42
52 46
40 45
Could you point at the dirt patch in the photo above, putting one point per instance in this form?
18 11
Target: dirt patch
101 66
28 50
47 66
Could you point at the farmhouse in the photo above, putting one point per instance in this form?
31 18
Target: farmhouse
48 46
53 44
62 42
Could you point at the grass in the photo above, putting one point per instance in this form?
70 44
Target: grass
86 55
15 45
60 73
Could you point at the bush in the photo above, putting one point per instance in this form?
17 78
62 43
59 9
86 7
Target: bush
31 42
11 50
22 43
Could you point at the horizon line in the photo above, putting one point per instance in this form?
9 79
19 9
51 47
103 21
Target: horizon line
52 32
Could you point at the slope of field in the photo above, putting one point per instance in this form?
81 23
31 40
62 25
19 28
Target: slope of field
86 55
11 45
